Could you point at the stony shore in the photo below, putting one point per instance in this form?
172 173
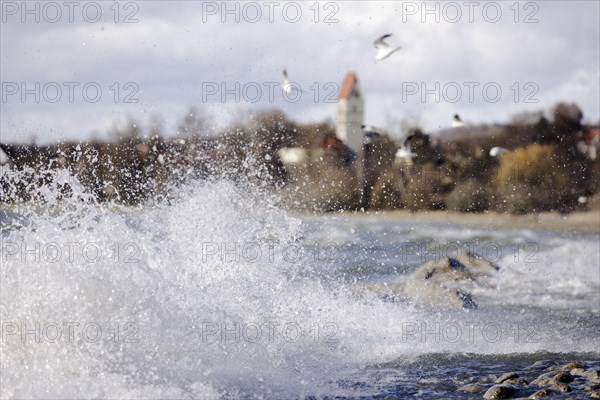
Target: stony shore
543 379
588 222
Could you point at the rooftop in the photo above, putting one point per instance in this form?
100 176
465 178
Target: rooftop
349 82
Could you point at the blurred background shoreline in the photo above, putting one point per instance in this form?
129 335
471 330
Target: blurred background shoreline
535 164
576 222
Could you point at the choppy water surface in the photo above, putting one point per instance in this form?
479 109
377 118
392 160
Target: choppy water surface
221 293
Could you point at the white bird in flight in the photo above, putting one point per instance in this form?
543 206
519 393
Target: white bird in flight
370 128
497 151
371 132
404 150
384 50
457 122
288 87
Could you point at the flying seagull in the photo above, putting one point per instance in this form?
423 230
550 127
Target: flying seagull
288 87
457 122
497 151
383 49
371 132
370 128
404 150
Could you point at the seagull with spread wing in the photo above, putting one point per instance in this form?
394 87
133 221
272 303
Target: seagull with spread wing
497 151
288 87
404 150
384 50
457 122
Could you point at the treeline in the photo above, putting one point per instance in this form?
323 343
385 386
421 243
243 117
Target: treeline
138 166
546 165
549 164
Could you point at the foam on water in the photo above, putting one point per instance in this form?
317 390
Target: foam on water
565 275
188 306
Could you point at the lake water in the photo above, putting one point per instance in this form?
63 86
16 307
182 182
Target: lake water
223 294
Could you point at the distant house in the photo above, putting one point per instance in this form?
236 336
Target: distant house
588 144
292 155
350 113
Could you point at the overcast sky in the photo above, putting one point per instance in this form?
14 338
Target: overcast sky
73 73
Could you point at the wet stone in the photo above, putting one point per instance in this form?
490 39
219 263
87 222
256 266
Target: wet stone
595 395
540 394
539 364
571 365
506 376
578 371
593 386
561 387
471 388
562 377
543 379
499 392
593 375
515 381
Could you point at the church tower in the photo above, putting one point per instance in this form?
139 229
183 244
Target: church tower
350 113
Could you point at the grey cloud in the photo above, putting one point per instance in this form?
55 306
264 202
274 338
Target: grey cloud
171 52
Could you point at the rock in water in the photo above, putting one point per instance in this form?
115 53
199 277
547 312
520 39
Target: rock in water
593 375
471 388
467 299
499 392
438 282
516 381
562 377
561 387
539 364
506 376
540 394
570 366
543 379
591 387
